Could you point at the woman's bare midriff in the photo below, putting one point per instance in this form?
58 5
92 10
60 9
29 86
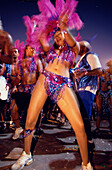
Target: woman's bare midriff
59 67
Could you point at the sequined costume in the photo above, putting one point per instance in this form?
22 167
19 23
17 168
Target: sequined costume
67 55
91 81
87 84
104 96
26 88
55 84
22 97
7 72
32 67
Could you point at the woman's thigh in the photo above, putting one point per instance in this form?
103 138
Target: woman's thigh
37 100
69 106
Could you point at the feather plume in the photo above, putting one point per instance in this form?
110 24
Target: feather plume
48 19
50 13
46 7
60 6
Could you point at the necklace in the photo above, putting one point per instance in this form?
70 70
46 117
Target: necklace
61 47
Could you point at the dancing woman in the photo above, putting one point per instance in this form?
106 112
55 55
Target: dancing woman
55 82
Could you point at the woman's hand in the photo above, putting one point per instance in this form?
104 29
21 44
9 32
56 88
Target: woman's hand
63 20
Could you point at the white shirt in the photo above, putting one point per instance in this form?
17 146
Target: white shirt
3 88
93 61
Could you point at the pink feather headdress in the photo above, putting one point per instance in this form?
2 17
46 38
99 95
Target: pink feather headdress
30 28
50 15
48 19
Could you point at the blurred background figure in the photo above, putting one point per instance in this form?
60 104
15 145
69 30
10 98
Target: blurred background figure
104 97
28 72
6 44
3 97
86 73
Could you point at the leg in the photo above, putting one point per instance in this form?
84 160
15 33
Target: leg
99 108
3 108
1 116
37 101
110 110
86 99
68 105
14 113
45 109
85 109
15 117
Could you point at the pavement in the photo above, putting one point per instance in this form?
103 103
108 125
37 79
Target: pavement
55 148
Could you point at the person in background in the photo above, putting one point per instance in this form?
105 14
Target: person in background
6 45
86 73
104 97
3 97
10 72
28 69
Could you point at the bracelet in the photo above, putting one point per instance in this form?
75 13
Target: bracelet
65 32
86 72
71 70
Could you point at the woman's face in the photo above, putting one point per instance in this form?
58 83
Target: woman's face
29 51
33 51
58 38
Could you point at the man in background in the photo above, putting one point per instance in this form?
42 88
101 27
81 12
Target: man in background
6 45
86 73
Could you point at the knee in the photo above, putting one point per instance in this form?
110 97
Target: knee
29 124
80 129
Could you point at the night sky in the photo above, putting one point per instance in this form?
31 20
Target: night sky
96 15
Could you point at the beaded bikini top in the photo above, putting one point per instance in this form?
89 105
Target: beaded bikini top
66 55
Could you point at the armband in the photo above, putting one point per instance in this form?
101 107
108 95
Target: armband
86 72
73 45
71 70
